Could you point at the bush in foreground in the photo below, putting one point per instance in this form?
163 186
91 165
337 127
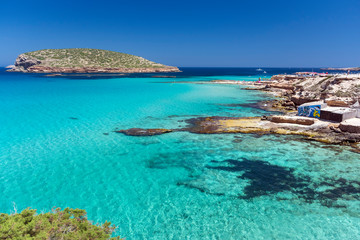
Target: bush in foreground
58 224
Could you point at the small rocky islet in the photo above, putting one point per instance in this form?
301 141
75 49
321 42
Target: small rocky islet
85 60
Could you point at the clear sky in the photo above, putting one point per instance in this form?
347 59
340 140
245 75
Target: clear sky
193 33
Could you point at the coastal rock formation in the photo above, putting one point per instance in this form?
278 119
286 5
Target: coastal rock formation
144 132
314 129
293 120
83 60
292 91
334 103
24 62
281 86
338 90
299 100
10 66
350 125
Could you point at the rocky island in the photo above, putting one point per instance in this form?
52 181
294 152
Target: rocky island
85 60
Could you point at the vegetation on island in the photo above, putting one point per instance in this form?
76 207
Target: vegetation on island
59 224
86 57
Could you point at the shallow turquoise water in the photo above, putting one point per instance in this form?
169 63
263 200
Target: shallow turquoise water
53 152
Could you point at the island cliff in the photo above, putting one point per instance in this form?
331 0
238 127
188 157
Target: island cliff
84 60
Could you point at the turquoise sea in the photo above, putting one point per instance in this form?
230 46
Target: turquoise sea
58 148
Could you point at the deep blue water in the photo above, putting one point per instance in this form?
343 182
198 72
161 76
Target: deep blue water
201 72
53 152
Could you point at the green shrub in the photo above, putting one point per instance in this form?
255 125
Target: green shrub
58 224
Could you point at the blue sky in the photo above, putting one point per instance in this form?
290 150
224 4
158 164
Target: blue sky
190 33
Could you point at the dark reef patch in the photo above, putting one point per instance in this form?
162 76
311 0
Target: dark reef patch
179 159
237 140
257 105
267 179
264 178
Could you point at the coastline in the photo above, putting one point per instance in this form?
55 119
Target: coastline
286 124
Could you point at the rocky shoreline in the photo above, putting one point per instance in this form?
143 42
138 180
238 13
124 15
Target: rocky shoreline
311 129
288 98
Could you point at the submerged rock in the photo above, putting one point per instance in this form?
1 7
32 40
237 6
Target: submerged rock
264 178
144 132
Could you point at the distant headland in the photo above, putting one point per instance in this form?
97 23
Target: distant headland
85 60
343 69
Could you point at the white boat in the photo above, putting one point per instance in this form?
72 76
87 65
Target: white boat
265 72
259 70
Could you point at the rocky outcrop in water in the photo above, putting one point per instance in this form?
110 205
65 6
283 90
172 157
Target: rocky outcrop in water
144 132
312 129
23 62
